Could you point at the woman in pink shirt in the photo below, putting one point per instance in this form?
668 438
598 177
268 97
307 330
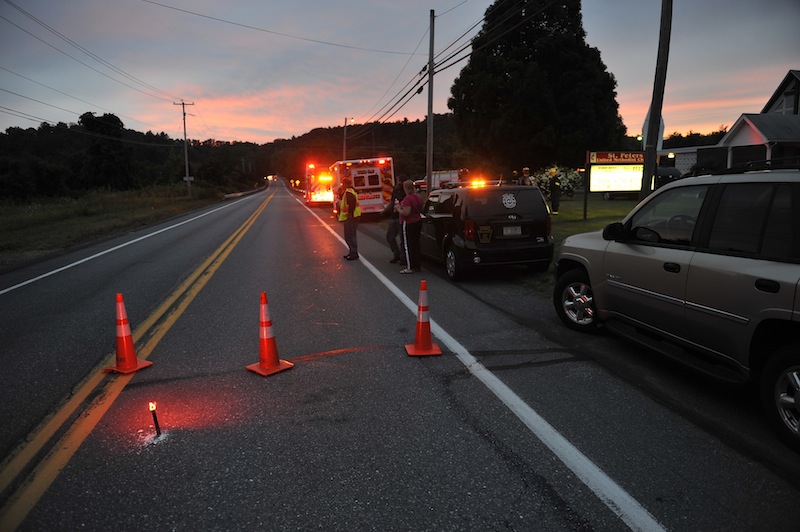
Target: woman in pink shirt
410 210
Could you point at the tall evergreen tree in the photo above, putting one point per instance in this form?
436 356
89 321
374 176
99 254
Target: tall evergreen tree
533 92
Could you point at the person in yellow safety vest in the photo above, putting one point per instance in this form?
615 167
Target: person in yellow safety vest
349 213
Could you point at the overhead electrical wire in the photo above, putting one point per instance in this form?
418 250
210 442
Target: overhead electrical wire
155 91
453 59
401 99
81 62
281 34
68 95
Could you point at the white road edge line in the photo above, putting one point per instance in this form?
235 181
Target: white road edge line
115 248
607 490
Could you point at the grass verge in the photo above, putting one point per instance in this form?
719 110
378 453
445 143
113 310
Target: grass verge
51 225
570 221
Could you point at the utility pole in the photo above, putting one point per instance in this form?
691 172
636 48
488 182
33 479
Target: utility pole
186 178
429 150
653 127
344 141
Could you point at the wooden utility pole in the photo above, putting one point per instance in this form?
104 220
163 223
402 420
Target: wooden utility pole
186 178
429 150
652 133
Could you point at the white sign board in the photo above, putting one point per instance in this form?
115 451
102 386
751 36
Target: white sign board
615 177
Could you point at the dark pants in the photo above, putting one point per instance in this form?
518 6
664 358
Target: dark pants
555 198
411 234
392 232
351 235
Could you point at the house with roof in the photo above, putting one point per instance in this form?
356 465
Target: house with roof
772 135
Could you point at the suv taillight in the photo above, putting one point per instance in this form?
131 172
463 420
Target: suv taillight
469 229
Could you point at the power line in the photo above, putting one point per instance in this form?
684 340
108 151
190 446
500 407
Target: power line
81 62
89 52
65 94
263 30
39 101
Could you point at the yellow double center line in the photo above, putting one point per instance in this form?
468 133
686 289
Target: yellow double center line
155 327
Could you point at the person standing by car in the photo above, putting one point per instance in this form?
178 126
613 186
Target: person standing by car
525 178
410 210
349 213
393 229
555 190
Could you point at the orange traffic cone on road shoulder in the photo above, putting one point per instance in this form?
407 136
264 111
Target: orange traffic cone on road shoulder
126 354
423 345
268 362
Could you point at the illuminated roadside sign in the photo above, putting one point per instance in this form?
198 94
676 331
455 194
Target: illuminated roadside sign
615 157
615 177
615 171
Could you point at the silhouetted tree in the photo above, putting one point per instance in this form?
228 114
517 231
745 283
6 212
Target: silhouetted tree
533 92
108 162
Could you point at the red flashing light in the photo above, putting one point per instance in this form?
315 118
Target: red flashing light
381 161
469 229
311 165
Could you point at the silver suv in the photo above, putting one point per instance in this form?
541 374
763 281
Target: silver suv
706 270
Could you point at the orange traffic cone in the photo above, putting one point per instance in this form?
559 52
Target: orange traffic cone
268 362
422 342
126 355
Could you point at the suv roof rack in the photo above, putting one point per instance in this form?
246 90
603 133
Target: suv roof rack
782 163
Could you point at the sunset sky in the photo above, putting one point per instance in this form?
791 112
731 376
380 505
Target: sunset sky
257 70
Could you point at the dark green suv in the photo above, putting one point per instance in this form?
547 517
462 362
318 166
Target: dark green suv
473 226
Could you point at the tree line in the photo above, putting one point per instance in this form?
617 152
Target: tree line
533 93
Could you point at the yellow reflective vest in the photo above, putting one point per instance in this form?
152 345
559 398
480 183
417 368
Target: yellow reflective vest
343 214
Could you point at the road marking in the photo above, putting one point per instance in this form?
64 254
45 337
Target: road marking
619 501
157 324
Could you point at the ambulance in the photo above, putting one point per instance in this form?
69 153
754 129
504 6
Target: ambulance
319 185
373 180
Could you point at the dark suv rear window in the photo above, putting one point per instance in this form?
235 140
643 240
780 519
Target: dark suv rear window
489 201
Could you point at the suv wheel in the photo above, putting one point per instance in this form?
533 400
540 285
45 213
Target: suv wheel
780 393
455 272
574 302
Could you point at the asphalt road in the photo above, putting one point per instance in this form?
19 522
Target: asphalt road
519 425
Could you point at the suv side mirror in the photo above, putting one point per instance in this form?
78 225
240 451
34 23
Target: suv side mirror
615 231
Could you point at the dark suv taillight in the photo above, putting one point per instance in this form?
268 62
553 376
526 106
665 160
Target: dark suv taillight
469 229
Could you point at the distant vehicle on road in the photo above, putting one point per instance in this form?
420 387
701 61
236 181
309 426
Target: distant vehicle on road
319 185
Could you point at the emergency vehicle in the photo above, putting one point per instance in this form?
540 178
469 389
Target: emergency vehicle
373 180
319 185
445 179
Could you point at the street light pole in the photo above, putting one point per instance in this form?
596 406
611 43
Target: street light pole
344 141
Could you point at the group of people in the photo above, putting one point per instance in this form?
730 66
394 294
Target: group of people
405 220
